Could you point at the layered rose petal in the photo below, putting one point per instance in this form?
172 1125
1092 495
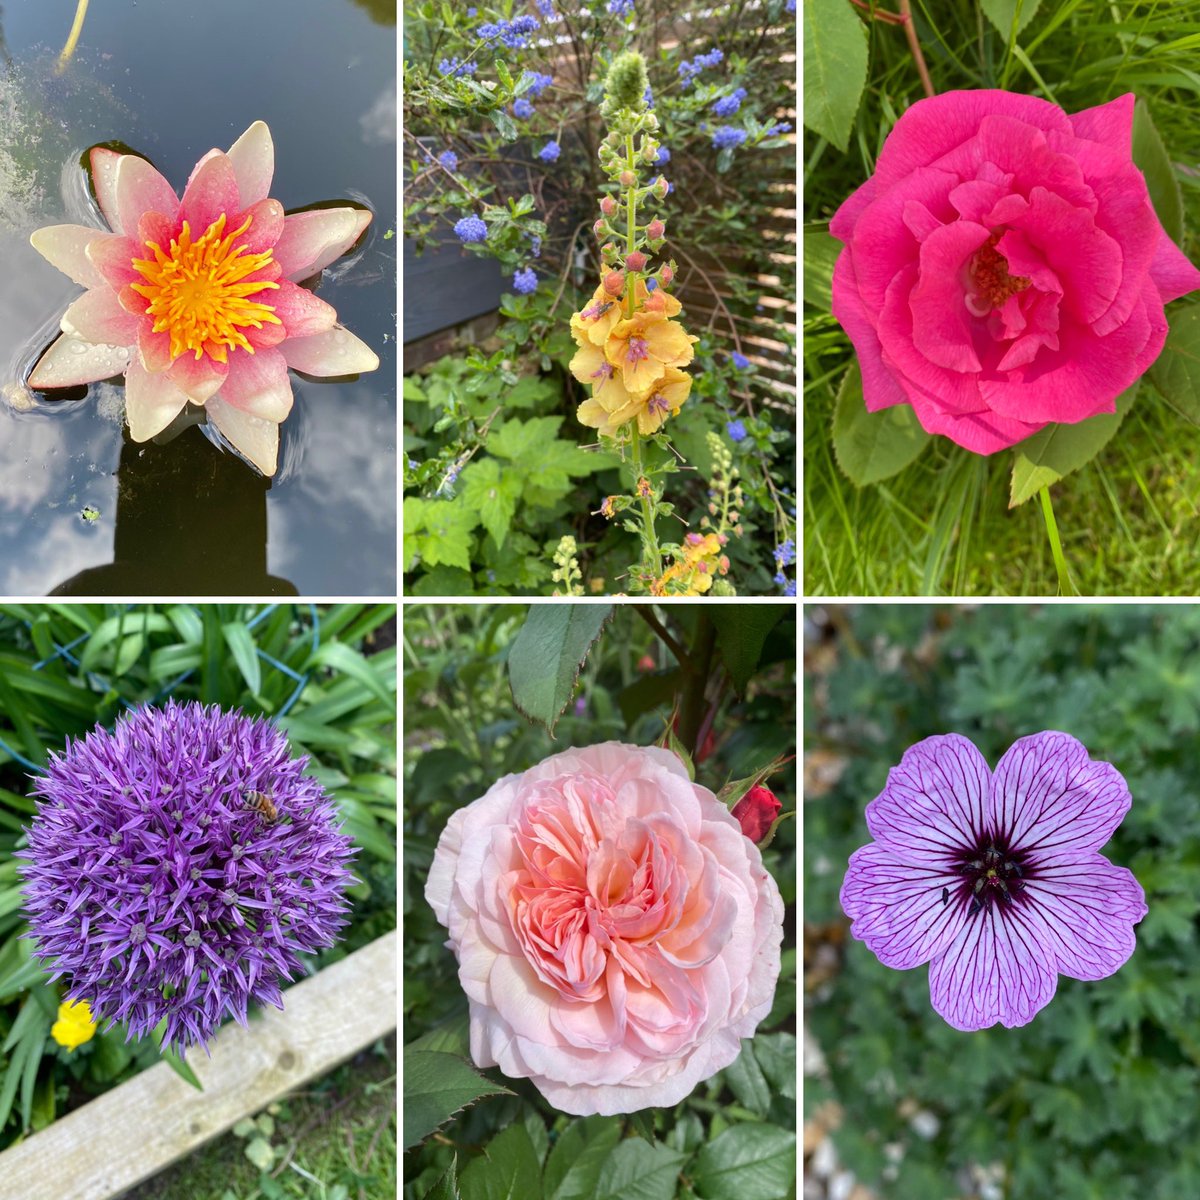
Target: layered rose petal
200 292
616 933
995 879
1004 268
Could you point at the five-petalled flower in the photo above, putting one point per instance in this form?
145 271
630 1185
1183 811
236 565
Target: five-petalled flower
995 878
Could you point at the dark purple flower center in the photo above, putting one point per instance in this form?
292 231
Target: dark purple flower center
993 873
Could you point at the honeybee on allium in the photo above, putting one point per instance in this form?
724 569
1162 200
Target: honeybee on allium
263 804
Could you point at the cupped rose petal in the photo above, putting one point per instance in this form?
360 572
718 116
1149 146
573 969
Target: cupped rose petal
65 247
335 352
1172 271
252 437
152 402
141 189
70 362
312 240
1110 124
252 157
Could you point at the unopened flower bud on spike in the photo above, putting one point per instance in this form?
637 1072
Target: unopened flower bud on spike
608 206
655 230
626 84
636 261
614 283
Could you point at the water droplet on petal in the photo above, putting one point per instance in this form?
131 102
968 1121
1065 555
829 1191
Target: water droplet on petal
77 347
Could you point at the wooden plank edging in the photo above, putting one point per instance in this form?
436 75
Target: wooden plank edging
150 1121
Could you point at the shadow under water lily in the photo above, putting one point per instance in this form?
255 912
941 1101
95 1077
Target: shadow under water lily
197 300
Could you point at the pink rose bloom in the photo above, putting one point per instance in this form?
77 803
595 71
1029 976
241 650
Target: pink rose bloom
196 300
1003 267
616 933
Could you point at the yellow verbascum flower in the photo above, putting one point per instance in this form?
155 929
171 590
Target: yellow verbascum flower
644 346
663 400
74 1025
693 574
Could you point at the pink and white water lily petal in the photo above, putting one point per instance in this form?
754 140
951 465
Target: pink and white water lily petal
195 300
995 879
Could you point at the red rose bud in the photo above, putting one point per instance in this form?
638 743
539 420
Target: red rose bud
608 206
636 261
628 178
666 274
756 812
655 229
614 283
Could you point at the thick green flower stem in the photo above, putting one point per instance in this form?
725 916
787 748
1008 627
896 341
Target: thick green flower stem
630 232
649 537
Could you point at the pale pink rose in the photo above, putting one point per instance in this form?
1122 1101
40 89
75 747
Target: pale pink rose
617 935
1004 267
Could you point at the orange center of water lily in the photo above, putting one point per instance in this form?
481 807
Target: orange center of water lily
198 290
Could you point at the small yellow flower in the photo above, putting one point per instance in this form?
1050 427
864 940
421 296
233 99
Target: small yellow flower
593 323
664 399
642 348
74 1025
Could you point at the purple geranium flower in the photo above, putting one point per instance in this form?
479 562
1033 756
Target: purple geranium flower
995 879
179 865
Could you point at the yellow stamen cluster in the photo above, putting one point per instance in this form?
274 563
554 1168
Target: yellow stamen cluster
198 290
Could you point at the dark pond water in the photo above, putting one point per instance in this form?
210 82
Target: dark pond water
84 509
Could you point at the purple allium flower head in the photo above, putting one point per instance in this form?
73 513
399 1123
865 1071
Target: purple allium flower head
179 865
995 879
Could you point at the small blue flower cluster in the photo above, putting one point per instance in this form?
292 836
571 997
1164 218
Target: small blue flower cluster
664 155
539 85
727 136
456 66
449 160
515 34
522 109
525 281
790 6
739 360
736 431
728 105
782 127
549 152
535 246
648 97
621 8
471 229
785 554
546 7
651 284
689 70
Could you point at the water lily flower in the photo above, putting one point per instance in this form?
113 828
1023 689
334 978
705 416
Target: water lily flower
196 300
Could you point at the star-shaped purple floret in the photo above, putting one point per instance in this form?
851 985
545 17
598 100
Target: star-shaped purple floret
179 865
995 879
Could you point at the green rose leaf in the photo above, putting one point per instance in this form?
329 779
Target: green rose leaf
871 446
1176 372
1010 16
746 1162
508 1170
835 68
436 1086
547 655
1058 450
1151 158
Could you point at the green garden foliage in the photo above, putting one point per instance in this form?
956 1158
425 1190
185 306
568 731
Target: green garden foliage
1096 1097
326 673
729 694
892 511
496 467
